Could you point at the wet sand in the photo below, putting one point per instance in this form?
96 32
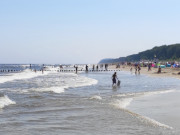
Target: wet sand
164 108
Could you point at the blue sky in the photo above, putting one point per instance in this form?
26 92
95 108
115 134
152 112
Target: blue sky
84 31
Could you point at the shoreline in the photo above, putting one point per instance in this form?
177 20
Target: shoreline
158 107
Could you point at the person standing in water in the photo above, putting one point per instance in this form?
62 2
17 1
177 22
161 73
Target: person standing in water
93 68
97 67
114 77
42 70
86 68
76 69
30 67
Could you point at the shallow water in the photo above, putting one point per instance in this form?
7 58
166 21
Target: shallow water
66 103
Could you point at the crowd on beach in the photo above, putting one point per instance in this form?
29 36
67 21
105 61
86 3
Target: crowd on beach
153 68
93 68
142 67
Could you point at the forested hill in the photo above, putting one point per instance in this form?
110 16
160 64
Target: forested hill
165 52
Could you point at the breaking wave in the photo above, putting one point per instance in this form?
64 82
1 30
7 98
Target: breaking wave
122 103
68 81
26 74
149 93
5 101
52 89
96 97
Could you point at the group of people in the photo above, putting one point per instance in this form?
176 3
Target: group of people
115 80
93 67
137 69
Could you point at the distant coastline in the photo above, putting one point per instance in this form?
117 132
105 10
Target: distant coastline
163 53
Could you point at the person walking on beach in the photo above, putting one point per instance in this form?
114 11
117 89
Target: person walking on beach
114 77
149 67
139 68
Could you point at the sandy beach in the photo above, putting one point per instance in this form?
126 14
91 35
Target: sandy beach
165 72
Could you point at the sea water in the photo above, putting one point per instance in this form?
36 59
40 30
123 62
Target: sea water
84 103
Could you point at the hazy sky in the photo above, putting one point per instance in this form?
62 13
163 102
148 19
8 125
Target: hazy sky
84 31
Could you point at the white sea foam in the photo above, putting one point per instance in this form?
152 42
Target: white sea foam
52 89
127 98
122 103
5 101
96 97
84 81
26 74
25 65
144 93
65 81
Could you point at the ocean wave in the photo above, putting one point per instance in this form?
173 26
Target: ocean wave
125 99
5 101
51 89
68 80
26 74
149 93
122 103
84 81
96 97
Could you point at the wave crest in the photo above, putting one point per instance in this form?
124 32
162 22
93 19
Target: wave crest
149 93
5 101
96 97
122 103
26 74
